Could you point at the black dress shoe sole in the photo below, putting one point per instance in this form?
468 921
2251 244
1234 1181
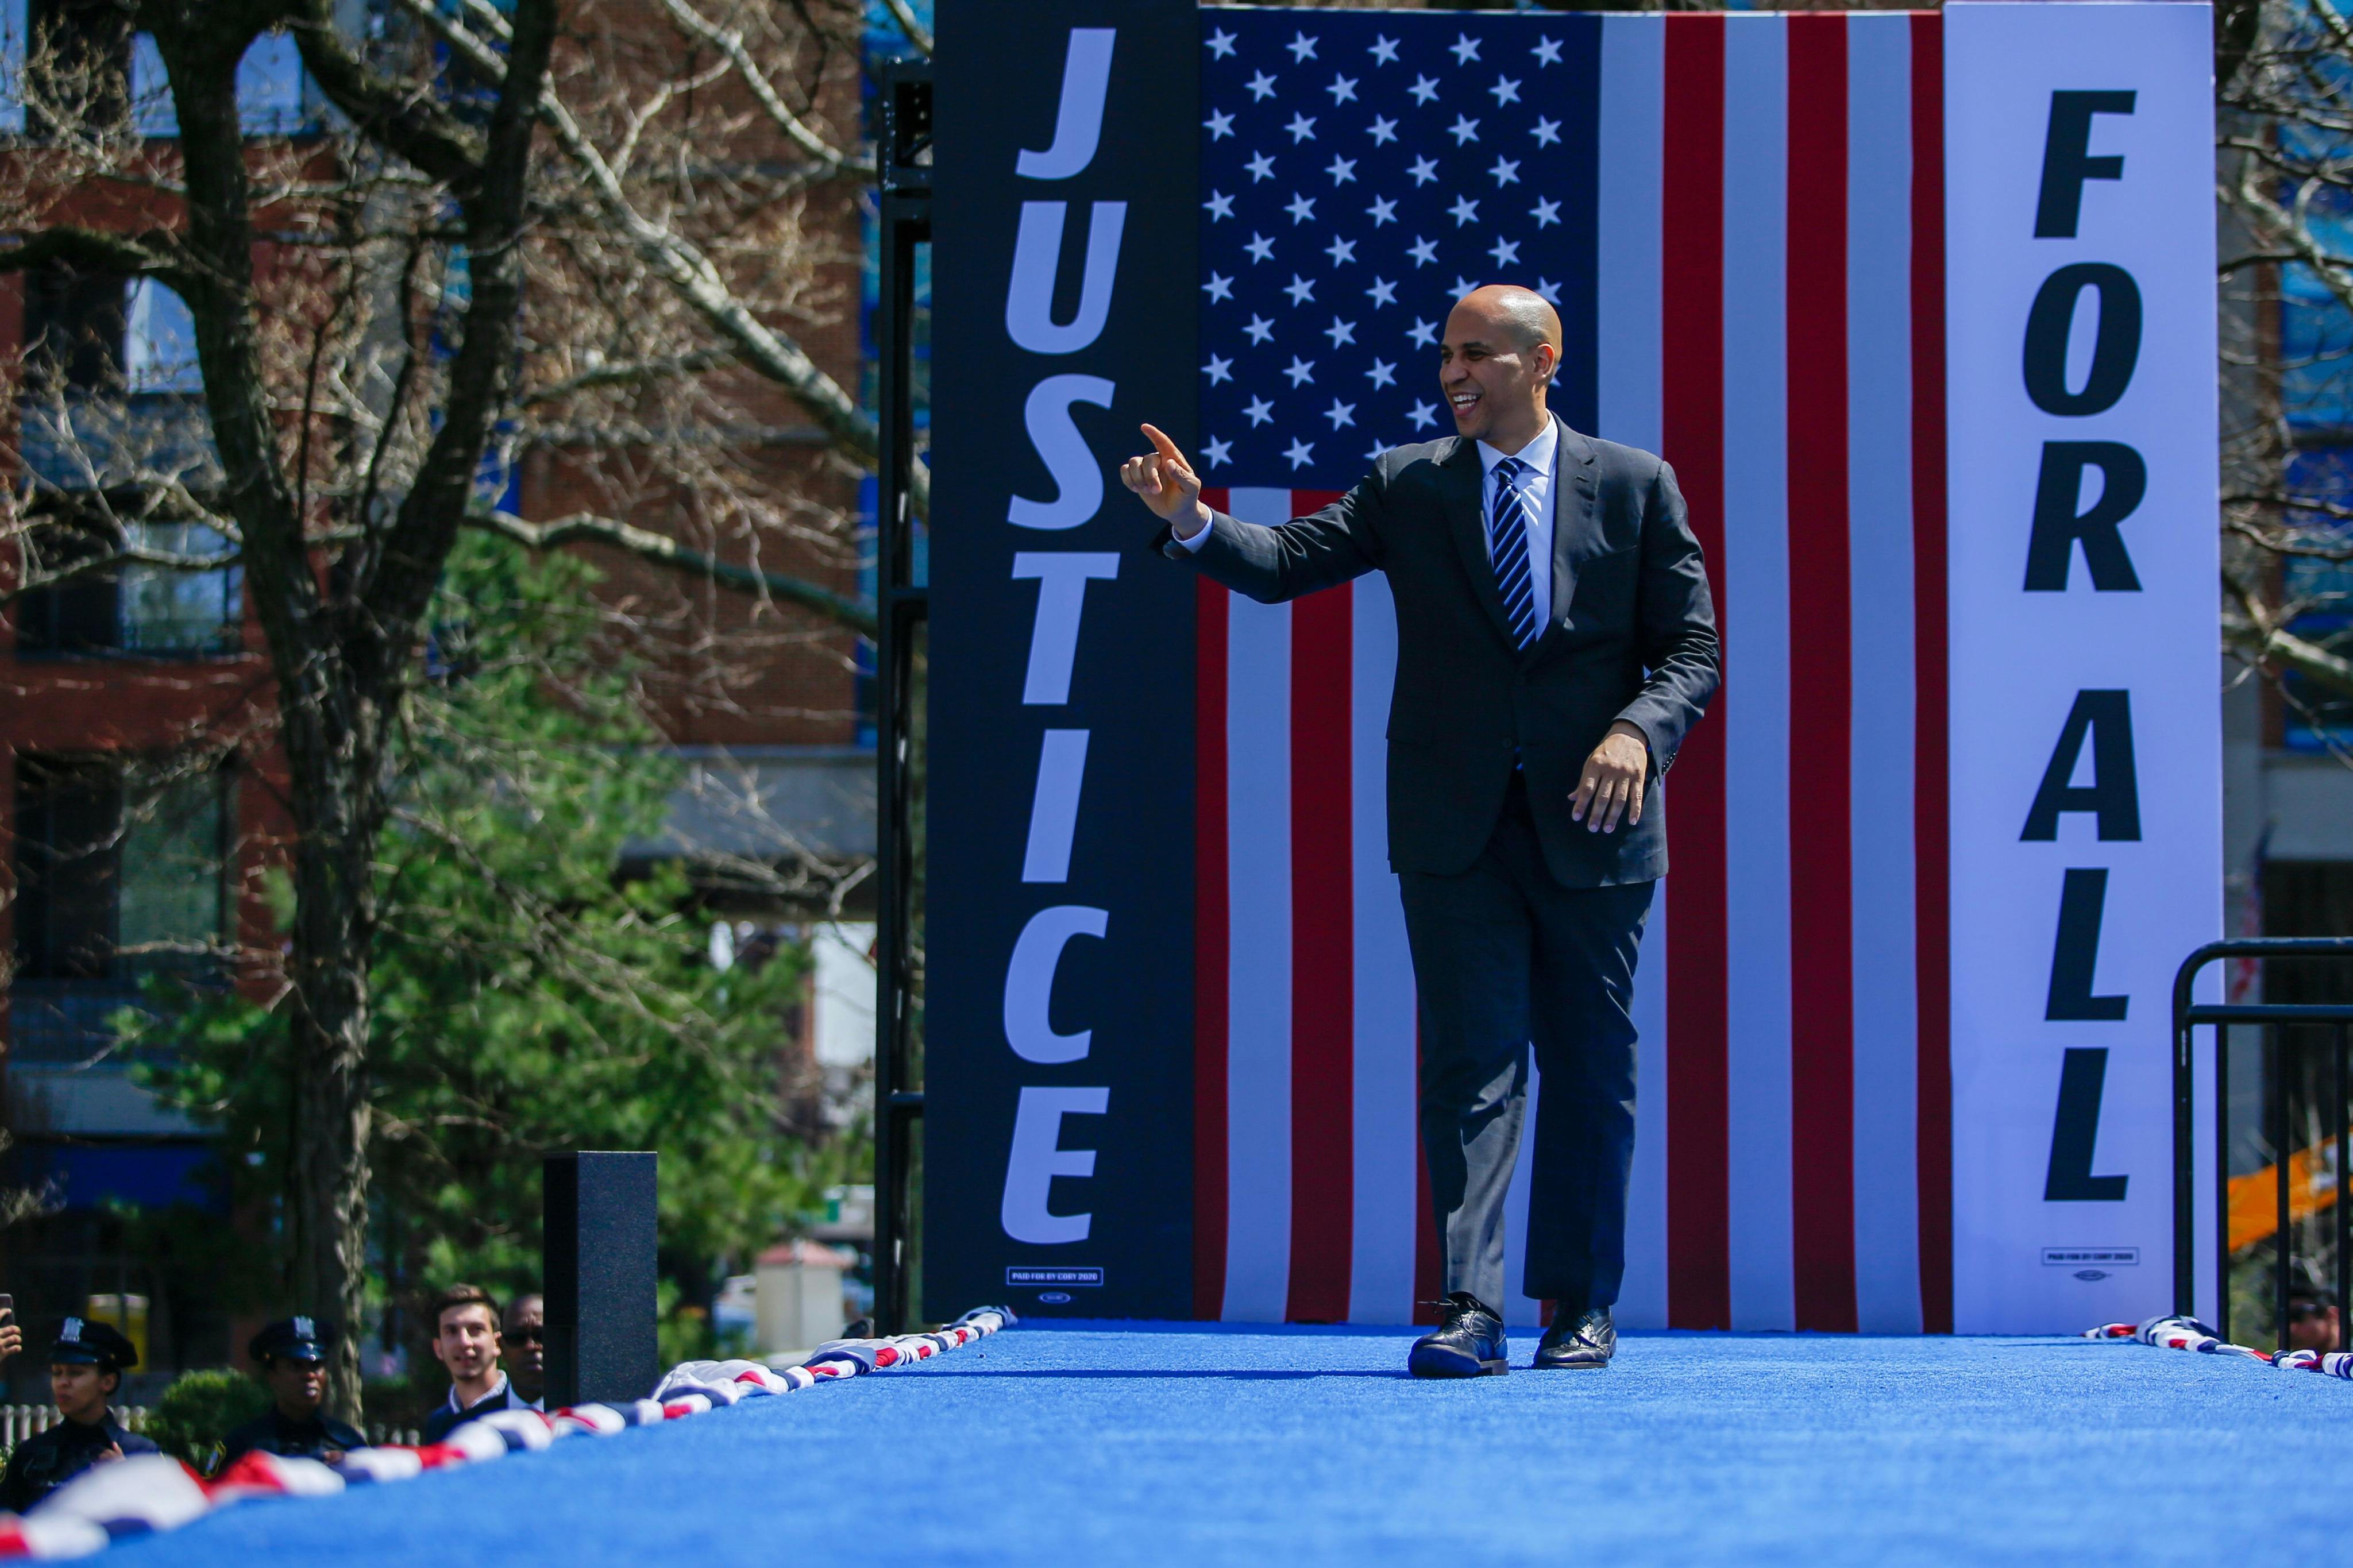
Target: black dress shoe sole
1541 1364
1437 1362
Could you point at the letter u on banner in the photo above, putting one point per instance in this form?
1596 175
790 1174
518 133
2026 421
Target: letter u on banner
1038 254
1029 984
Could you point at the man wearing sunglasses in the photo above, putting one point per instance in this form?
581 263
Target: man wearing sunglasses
525 1345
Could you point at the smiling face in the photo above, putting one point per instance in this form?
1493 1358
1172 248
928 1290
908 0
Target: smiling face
1502 344
467 1342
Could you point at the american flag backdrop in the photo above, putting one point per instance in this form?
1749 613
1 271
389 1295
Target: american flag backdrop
1740 219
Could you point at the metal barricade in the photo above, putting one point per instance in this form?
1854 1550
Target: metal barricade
2187 1016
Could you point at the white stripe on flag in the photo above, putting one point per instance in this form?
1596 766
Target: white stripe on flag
1257 871
1633 73
1756 668
1633 77
1879 541
1380 1265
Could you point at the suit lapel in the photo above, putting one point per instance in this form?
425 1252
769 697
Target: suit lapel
1466 520
1574 518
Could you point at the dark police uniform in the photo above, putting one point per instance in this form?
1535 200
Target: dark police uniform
275 1432
48 1461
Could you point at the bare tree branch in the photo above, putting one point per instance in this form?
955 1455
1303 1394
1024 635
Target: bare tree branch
660 547
730 43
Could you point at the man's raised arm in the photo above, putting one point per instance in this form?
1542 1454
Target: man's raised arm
1269 564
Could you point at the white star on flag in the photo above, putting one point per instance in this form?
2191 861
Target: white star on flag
1423 147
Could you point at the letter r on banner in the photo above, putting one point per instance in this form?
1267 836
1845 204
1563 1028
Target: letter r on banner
1038 1157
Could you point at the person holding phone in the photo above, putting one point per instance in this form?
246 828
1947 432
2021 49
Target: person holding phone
12 1338
86 1368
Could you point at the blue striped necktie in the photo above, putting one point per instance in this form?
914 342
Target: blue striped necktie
1507 548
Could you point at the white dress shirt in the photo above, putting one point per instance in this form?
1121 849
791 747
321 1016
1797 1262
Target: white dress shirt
1541 454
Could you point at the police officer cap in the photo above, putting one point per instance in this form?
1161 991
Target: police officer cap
87 1342
293 1339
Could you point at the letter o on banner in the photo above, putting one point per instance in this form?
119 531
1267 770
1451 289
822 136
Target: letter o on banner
1029 984
2115 349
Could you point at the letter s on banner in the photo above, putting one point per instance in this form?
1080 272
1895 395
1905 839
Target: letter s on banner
1038 1157
1038 254
1029 984
1076 474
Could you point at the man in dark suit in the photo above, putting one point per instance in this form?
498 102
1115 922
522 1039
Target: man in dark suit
1555 641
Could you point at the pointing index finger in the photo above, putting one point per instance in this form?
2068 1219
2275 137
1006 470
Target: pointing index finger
1162 444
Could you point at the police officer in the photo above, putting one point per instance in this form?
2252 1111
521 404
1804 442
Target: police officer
86 1366
292 1355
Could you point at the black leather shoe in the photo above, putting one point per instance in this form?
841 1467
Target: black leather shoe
1467 1342
1588 1339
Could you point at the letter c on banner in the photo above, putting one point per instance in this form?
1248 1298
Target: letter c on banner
1074 470
1038 257
1029 984
1038 1157
1086 77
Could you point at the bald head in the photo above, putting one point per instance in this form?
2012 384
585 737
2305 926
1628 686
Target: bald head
1502 344
1522 314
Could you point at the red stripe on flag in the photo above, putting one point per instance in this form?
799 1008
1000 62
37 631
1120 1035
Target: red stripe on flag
1210 937
1691 299
1930 823
1821 707
1322 954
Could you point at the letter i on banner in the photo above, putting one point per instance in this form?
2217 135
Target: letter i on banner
2086 720
1058 998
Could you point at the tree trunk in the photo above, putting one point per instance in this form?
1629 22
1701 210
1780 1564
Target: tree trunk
335 931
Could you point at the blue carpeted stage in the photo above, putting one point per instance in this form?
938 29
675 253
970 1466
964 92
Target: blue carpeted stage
1181 1444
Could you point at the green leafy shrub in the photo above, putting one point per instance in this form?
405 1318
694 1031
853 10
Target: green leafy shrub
198 1411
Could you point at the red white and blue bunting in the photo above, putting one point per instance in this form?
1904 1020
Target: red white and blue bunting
154 1491
2178 1334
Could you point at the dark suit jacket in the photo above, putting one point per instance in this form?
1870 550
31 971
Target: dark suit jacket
1632 636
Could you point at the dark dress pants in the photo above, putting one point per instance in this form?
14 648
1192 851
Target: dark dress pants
1504 957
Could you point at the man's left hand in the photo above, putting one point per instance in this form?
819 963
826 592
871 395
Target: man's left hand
1612 783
